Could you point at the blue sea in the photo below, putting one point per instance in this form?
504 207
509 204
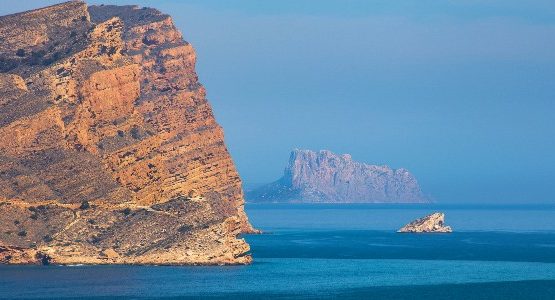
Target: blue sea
340 252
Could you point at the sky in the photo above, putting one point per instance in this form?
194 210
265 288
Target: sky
461 93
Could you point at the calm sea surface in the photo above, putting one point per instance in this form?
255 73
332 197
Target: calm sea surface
340 251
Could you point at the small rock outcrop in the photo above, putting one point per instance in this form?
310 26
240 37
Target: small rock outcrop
325 177
431 223
109 150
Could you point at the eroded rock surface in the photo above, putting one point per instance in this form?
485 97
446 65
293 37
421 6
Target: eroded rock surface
431 223
109 151
327 177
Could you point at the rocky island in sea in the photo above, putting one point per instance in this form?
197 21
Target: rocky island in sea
110 152
325 177
432 223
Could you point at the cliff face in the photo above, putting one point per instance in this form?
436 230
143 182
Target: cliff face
110 152
326 177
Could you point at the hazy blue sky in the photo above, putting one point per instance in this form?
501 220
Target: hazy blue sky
462 93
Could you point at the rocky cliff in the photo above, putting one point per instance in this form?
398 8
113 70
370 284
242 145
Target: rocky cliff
326 177
110 152
431 223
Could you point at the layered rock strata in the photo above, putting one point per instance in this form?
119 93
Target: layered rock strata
431 223
109 150
327 177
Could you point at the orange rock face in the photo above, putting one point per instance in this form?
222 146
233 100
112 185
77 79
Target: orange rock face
109 150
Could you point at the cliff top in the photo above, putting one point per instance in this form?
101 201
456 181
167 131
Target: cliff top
322 156
132 15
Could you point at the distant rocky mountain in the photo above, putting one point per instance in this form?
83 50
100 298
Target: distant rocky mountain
326 177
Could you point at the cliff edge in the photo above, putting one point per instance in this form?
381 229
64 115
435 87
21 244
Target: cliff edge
110 152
